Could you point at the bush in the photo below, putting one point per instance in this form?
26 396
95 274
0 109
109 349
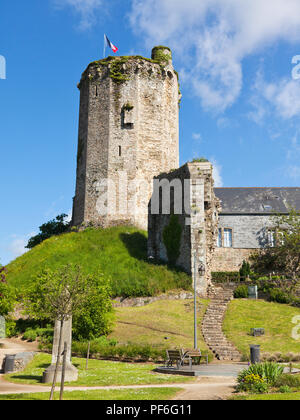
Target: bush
241 292
262 388
110 349
270 372
253 383
245 270
284 389
30 335
225 276
10 328
44 334
279 296
286 379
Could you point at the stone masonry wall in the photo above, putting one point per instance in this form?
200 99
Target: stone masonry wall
249 231
128 133
198 219
230 259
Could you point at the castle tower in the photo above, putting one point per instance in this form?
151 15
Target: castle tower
128 134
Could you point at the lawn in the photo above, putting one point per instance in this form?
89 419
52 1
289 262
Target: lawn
150 324
100 373
153 394
119 253
290 396
242 315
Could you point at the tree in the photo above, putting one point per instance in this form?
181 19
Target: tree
245 270
7 296
96 318
284 256
54 227
58 296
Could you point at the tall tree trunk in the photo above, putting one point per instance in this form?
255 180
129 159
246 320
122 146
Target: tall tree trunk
57 360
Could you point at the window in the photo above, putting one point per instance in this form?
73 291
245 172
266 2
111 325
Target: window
271 238
227 238
120 151
219 240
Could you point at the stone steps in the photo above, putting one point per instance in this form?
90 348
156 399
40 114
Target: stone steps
213 322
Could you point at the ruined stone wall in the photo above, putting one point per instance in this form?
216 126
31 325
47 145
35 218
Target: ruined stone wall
128 133
198 220
230 259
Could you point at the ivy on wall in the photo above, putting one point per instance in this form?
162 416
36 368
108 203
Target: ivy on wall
172 239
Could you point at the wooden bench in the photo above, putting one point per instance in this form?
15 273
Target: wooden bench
190 354
174 356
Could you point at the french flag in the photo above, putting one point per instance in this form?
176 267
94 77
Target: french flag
110 45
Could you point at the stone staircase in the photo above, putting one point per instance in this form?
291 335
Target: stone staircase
213 322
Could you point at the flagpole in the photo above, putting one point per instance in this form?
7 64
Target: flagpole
104 47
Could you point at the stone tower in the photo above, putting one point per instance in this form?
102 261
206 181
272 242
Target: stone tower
128 134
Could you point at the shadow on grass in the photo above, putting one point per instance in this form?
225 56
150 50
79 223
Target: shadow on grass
27 378
136 244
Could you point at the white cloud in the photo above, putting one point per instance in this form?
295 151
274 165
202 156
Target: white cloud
217 169
294 172
197 136
281 97
17 247
86 9
214 36
18 243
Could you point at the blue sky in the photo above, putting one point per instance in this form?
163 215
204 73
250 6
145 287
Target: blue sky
240 107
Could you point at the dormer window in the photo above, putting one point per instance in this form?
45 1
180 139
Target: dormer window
267 207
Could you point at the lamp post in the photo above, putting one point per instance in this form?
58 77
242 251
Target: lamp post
201 271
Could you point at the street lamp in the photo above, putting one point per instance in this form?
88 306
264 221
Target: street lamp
201 270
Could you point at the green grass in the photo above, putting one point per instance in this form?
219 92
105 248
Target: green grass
100 373
290 396
119 253
242 315
154 394
150 324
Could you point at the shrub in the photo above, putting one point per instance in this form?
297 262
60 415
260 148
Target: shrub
286 379
268 371
10 328
109 349
245 270
225 276
261 388
241 292
279 296
30 335
284 389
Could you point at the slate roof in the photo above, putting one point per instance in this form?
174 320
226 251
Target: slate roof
258 200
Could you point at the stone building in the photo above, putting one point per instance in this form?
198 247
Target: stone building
128 133
184 201
246 222
128 173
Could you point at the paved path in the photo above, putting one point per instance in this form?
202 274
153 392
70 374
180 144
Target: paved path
212 388
14 346
203 389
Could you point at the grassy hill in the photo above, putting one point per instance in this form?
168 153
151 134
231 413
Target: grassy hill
276 318
150 324
120 253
